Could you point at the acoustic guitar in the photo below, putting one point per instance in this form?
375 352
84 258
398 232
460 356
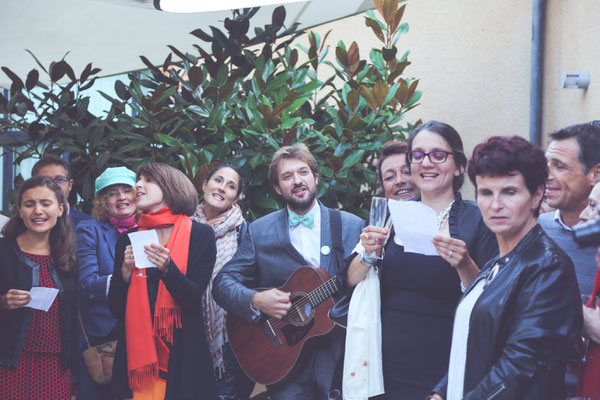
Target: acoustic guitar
272 350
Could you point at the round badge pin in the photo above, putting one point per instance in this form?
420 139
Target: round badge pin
325 250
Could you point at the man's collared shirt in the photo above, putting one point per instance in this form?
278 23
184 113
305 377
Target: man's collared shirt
307 241
559 221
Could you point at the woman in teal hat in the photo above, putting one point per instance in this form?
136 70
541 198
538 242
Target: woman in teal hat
114 212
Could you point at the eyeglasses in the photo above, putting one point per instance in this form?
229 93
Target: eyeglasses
113 193
61 180
435 157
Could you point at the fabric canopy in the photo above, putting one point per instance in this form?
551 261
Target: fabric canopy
112 34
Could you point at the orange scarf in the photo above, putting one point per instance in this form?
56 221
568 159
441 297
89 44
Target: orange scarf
142 357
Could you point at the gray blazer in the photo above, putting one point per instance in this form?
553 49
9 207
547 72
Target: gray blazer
267 258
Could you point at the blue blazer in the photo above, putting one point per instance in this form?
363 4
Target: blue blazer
76 217
96 253
267 258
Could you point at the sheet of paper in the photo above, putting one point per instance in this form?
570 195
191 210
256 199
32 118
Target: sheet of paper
415 224
140 239
42 298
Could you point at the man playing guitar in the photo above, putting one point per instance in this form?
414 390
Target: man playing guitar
274 247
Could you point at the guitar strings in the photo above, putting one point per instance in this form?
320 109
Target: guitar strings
278 323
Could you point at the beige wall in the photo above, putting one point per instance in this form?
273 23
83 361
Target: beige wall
572 44
473 61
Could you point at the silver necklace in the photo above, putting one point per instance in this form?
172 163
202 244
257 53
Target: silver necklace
442 217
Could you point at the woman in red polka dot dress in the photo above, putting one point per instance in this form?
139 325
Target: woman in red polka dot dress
37 348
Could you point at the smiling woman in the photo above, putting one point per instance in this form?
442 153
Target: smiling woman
222 187
114 212
37 250
418 292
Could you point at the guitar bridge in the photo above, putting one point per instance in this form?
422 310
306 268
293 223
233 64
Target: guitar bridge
270 332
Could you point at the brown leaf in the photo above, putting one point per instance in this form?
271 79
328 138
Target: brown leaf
397 70
195 76
324 40
402 92
290 137
278 16
199 177
379 5
343 114
334 162
389 9
266 112
342 56
330 131
398 18
312 39
369 97
352 99
353 55
225 91
293 57
371 23
348 134
412 88
380 90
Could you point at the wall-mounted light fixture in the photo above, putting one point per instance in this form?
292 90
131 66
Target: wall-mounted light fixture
577 80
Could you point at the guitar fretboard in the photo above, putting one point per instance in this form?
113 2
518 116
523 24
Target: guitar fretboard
323 292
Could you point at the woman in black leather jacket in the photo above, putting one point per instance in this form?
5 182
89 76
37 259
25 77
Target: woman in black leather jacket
517 321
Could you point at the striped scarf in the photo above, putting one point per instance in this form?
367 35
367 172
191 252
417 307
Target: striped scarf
224 226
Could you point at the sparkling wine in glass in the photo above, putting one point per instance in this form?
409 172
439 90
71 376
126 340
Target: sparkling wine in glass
377 216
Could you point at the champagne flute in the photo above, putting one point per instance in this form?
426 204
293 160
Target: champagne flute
377 216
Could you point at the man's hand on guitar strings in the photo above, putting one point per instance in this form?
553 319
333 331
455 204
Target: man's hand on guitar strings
272 302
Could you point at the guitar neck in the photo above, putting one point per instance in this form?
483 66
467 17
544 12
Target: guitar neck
323 292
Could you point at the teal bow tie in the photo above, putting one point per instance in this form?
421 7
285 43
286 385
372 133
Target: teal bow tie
307 220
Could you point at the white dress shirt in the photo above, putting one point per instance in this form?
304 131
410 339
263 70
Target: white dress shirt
308 241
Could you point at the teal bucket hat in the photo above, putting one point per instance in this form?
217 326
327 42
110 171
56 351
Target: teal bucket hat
115 176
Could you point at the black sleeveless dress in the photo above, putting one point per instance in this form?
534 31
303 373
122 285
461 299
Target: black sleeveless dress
418 298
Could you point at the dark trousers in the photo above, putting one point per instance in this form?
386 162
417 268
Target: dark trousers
315 380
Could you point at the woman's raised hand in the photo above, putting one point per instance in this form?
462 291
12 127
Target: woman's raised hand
14 299
372 239
158 255
454 251
128 263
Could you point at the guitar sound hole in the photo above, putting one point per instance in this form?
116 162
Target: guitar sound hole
294 334
302 311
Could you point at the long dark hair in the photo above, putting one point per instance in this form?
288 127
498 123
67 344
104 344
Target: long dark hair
62 247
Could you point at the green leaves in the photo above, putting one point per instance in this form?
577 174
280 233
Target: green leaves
237 103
